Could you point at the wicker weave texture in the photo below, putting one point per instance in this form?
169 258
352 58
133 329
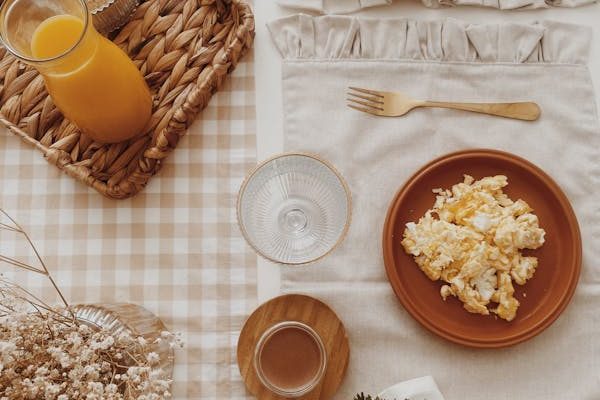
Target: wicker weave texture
184 48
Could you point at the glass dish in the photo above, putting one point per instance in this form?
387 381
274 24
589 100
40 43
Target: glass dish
294 208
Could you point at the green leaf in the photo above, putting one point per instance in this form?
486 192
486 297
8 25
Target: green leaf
362 396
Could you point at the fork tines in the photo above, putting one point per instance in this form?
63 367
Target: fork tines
365 100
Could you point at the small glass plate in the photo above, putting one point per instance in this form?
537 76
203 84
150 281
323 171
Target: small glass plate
117 318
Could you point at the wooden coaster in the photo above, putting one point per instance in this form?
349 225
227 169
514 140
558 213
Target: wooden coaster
312 312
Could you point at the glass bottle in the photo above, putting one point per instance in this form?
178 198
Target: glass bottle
90 79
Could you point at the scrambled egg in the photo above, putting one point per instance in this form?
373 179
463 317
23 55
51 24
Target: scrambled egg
472 239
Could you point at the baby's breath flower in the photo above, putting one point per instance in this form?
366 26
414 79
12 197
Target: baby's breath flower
41 358
152 358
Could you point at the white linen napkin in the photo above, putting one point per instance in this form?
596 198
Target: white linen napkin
443 60
423 388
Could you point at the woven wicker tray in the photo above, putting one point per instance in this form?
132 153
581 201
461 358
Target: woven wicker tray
184 48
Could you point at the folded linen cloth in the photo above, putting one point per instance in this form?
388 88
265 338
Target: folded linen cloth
350 6
423 388
509 4
448 60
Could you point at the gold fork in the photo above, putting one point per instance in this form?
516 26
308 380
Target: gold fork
395 104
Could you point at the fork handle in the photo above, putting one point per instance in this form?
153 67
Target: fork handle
526 111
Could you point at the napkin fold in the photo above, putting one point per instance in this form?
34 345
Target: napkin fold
333 6
423 388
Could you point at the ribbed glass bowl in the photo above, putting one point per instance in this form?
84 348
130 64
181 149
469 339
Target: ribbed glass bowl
117 318
294 208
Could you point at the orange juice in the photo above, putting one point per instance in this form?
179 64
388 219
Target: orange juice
93 82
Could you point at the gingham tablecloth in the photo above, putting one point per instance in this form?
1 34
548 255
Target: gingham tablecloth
175 248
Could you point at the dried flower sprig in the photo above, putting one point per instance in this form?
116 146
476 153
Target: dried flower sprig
10 290
15 227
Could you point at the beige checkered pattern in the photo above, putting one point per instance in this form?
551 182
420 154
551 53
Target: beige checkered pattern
175 248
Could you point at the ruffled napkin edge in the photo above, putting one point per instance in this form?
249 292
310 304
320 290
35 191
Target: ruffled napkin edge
350 6
332 6
302 36
508 4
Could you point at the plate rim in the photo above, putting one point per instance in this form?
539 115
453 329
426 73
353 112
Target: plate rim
413 310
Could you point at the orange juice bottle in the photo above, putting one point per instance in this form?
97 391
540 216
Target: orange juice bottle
91 80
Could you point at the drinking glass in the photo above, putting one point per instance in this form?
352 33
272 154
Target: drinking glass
288 364
90 79
294 208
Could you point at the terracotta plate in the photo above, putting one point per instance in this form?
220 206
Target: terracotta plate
542 298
